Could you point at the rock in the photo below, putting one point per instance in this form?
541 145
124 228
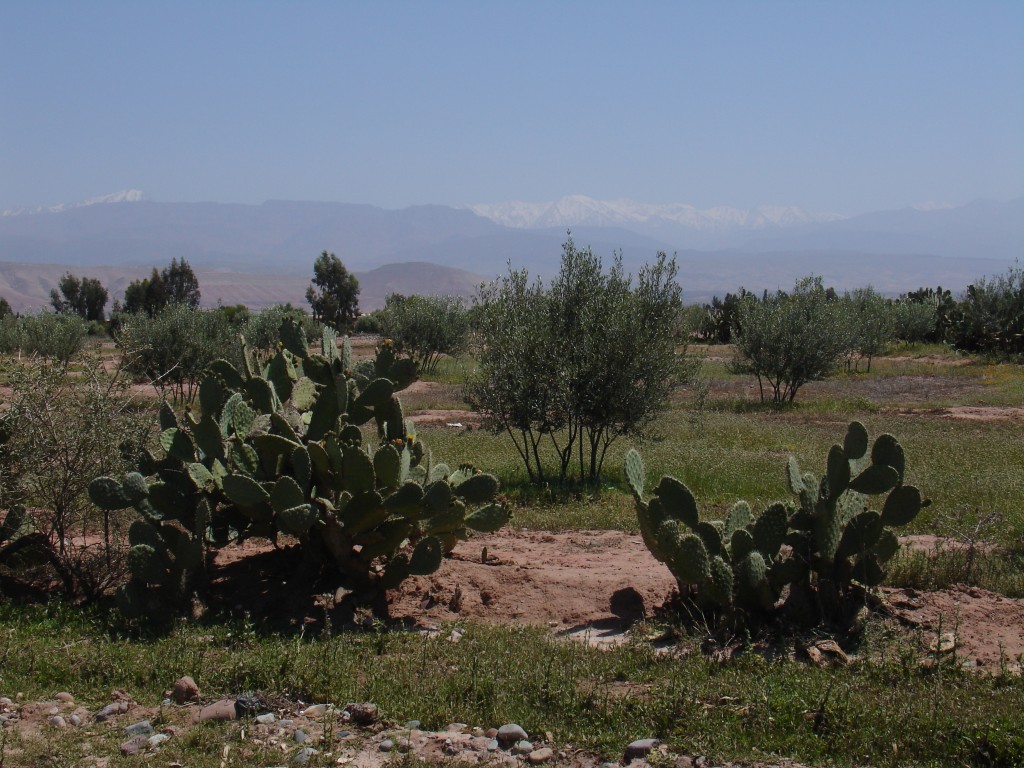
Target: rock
510 734
5 702
135 745
112 710
300 736
944 643
303 755
157 739
57 722
286 723
412 725
65 698
640 748
539 756
361 714
53 711
220 710
456 727
315 710
75 720
387 745
522 747
493 746
248 706
267 719
185 691
141 728
343 734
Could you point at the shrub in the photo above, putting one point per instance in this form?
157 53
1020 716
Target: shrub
60 429
871 323
54 336
582 363
990 316
173 349
262 330
425 327
787 340
915 321
276 450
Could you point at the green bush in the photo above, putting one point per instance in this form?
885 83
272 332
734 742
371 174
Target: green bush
173 349
581 363
990 316
871 323
54 336
60 428
789 339
425 327
262 329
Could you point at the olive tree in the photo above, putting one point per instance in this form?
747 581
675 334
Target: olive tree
425 327
580 363
789 339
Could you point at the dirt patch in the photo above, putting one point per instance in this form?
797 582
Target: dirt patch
446 418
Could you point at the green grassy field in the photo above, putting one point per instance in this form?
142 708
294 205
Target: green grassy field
886 709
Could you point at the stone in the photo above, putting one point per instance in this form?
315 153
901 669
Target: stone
412 725
57 722
112 710
157 739
640 748
185 691
303 755
315 710
300 736
522 747
135 745
541 755
141 728
65 698
456 727
75 720
361 713
220 710
493 746
387 745
5 702
510 734
267 719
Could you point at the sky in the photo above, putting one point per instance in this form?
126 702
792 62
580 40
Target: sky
842 107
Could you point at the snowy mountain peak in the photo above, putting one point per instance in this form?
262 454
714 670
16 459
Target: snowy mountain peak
124 196
580 210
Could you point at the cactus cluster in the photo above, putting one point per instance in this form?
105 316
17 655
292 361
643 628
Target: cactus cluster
276 448
818 554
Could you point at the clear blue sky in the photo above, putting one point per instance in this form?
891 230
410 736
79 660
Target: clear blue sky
831 106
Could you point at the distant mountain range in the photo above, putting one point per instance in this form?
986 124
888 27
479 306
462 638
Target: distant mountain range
261 254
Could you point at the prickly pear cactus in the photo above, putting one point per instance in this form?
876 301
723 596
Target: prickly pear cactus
822 552
277 449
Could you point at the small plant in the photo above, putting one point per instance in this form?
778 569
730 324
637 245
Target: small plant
835 547
278 450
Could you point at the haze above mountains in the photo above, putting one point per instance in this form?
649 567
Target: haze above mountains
263 254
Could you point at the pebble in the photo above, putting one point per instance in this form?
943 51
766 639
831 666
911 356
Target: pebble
5 702
65 697
640 748
341 734
53 711
267 719
316 710
109 711
185 690
134 745
57 722
286 723
157 739
387 745
220 710
303 755
141 728
300 736
492 745
539 756
456 727
75 720
510 734
522 747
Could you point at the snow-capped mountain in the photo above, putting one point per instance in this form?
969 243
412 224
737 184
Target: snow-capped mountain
124 196
580 210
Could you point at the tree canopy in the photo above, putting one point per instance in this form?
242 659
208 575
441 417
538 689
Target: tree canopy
85 297
334 293
176 284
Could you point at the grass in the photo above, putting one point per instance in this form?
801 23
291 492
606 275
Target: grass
884 710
